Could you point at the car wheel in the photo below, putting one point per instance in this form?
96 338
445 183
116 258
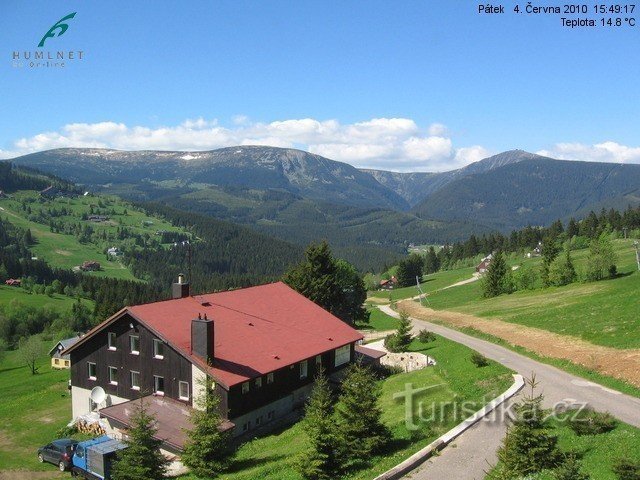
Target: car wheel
40 458
62 466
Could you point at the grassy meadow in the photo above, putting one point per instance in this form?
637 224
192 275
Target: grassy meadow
66 251
604 313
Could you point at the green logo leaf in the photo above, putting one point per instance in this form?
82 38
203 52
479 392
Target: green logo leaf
59 25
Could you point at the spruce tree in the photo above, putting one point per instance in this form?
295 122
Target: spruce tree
319 461
528 446
549 252
208 450
141 460
399 341
494 281
361 432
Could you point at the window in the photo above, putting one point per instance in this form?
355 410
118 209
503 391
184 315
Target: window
270 377
56 361
343 355
111 340
303 369
318 361
246 426
134 343
270 415
113 375
158 385
91 369
135 380
92 405
66 363
245 387
258 382
183 390
158 349
259 421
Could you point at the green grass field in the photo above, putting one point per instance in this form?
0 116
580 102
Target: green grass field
273 456
66 251
379 321
57 301
32 409
603 313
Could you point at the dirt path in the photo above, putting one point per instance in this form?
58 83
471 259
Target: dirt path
622 364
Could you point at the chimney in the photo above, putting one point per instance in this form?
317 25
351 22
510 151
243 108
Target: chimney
180 289
202 338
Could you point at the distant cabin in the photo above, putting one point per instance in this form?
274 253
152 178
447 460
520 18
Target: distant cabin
483 266
57 359
389 284
114 252
98 218
13 282
90 266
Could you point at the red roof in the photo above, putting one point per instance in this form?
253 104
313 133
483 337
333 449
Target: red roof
256 330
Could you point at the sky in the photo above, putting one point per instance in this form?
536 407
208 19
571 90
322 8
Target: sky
427 85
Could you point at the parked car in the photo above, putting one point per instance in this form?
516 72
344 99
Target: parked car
59 452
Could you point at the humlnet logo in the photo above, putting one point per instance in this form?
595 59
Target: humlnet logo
49 58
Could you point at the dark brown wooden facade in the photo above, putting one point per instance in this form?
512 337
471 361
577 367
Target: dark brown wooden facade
173 367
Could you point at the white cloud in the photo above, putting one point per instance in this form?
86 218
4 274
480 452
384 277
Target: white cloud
389 143
608 151
438 130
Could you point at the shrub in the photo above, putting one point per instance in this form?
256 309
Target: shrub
569 469
425 336
627 469
392 343
479 360
590 422
67 431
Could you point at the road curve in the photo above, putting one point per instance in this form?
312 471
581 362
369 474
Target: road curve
476 449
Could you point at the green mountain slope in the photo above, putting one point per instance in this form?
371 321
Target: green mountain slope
536 191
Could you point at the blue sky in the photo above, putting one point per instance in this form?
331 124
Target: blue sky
416 85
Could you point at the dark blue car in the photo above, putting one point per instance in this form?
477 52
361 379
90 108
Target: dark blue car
58 452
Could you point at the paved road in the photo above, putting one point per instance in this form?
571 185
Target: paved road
477 446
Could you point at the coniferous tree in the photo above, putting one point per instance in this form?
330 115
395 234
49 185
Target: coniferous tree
550 251
332 284
208 449
361 432
528 446
400 340
562 271
409 269
141 460
319 461
602 258
431 261
494 281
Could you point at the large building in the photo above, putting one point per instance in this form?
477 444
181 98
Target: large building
262 346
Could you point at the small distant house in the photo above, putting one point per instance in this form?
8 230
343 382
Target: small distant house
57 359
90 266
97 218
13 282
114 252
483 266
388 284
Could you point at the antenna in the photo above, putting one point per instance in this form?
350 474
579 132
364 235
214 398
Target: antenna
98 395
422 294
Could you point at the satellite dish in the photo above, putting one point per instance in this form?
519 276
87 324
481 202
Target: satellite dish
98 395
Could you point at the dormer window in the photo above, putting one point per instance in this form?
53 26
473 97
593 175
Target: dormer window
158 349
245 387
134 344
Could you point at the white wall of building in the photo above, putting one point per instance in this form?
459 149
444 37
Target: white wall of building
80 404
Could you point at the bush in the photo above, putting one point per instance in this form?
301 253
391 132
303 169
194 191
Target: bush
627 469
590 422
569 469
479 360
67 431
425 336
393 343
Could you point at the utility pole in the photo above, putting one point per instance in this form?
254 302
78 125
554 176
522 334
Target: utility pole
637 245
